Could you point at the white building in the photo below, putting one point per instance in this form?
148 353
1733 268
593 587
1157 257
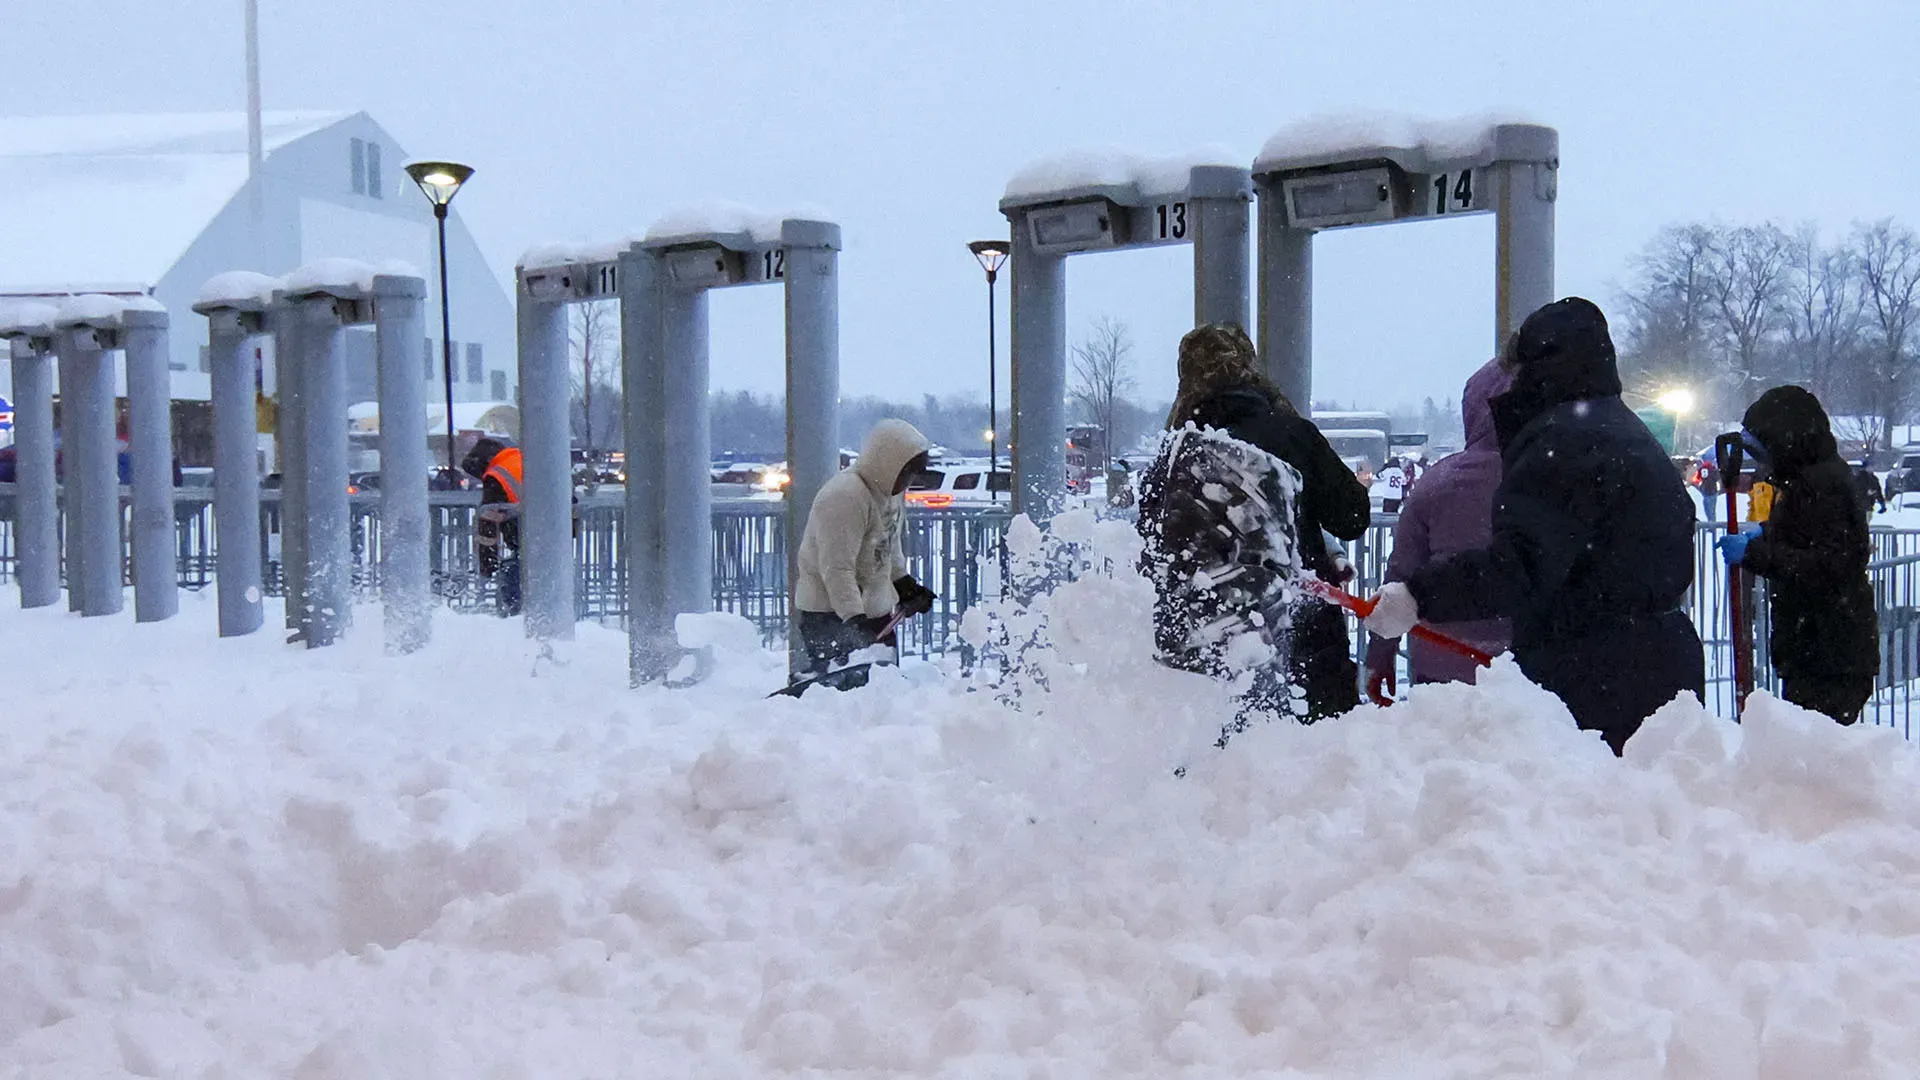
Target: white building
159 203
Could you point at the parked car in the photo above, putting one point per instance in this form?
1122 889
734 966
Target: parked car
1905 476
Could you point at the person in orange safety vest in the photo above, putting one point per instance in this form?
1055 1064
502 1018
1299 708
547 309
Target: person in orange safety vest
497 531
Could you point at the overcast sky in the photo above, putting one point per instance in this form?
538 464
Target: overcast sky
589 118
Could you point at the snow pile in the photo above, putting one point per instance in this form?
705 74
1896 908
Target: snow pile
238 287
1339 134
236 859
325 275
724 218
1108 167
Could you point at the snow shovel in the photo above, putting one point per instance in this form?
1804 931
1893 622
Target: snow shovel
1339 597
846 678
1729 453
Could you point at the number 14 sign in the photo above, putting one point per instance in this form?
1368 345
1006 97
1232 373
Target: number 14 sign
1452 193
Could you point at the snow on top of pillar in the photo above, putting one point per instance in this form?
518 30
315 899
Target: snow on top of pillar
1108 167
27 317
101 309
567 253
323 275
397 268
724 218
1329 138
238 287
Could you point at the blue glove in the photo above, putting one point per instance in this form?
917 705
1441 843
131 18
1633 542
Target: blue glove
1733 548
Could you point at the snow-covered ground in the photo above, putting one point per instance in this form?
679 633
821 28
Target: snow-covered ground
236 859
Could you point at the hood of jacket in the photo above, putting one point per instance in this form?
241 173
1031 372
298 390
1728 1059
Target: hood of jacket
1476 404
480 457
890 445
1790 423
1562 353
1216 359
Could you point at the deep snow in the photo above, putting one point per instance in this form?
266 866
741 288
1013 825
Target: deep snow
238 859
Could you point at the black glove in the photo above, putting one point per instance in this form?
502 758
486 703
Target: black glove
915 598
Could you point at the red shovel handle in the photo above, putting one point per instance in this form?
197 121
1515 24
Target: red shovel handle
1364 608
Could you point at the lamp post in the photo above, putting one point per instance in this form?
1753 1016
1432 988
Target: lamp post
992 253
440 181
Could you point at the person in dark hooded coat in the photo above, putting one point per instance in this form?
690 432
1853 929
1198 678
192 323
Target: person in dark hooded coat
1592 549
1223 386
1813 551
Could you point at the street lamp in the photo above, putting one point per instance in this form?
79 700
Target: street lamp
440 181
1678 401
992 253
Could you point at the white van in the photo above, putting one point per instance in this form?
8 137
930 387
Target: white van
943 484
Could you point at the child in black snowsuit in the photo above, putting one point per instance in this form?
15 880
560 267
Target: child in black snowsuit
1813 551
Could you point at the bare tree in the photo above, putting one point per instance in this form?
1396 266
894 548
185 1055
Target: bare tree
1668 308
1102 378
1823 304
1889 255
593 340
1746 270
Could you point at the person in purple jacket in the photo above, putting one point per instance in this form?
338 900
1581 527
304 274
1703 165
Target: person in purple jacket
1450 511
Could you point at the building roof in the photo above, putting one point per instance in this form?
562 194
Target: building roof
108 203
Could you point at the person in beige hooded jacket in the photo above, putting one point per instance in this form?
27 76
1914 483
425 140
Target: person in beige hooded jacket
853 571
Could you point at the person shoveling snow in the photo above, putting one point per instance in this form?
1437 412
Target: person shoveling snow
853 572
1232 509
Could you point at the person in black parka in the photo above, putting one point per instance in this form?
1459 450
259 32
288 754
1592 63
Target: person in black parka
1813 551
1592 552
1223 386
1867 486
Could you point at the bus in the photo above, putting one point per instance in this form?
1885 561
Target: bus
1357 436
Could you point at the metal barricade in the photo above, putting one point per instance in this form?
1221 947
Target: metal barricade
959 553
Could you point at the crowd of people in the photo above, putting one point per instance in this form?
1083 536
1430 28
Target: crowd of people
1562 533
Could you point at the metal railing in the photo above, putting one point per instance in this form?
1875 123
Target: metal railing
958 553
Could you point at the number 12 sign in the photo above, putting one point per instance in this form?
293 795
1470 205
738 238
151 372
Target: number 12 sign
1452 193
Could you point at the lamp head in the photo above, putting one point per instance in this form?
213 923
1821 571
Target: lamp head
439 180
991 253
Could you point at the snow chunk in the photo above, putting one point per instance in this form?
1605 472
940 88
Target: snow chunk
728 217
238 287
27 317
1109 167
324 274
1319 139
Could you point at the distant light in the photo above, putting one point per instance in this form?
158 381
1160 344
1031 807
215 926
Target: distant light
989 434
1678 401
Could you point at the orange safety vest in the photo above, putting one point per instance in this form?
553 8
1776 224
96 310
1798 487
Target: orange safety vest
505 469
